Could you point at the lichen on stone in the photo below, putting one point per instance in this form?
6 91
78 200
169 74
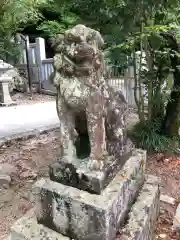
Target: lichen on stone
82 89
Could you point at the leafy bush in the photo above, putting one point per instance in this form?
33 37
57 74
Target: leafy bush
14 16
147 136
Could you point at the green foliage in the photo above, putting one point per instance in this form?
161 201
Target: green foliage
54 27
55 19
147 136
9 50
14 15
129 26
51 28
117 58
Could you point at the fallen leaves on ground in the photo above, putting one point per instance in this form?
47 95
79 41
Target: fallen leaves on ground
33 156
167 168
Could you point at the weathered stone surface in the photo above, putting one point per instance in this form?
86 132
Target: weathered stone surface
5 196
84 216
18 82
7 238
5 98
82 90
5 180
144 213
27 228
167 199
176 220
7 169
77 173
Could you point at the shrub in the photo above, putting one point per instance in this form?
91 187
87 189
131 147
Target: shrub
146 135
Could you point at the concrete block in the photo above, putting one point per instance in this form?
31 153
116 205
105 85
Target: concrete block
27 228
84 216
144 213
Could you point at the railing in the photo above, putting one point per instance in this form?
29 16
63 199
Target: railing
116 80
32 53
47 68
41 69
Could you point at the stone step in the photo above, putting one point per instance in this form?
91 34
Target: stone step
84 216
144 212
27 228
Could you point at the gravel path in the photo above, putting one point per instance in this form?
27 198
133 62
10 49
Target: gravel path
25 118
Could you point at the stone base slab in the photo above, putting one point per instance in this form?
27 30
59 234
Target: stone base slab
144 212
27 228
77 174
84 216
8 104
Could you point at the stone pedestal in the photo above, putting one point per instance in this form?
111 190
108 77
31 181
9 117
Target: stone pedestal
127 203
81 215
140 224
5 98
77 174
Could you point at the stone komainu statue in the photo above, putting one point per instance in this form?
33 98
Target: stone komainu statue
84 94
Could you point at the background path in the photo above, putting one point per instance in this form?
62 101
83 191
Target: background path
26 118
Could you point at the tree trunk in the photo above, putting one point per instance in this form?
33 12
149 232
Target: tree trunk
158 105
136 90
170 126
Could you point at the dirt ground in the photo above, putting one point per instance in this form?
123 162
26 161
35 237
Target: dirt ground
31 159
168 170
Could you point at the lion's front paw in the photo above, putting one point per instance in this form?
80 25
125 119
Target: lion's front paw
95 165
